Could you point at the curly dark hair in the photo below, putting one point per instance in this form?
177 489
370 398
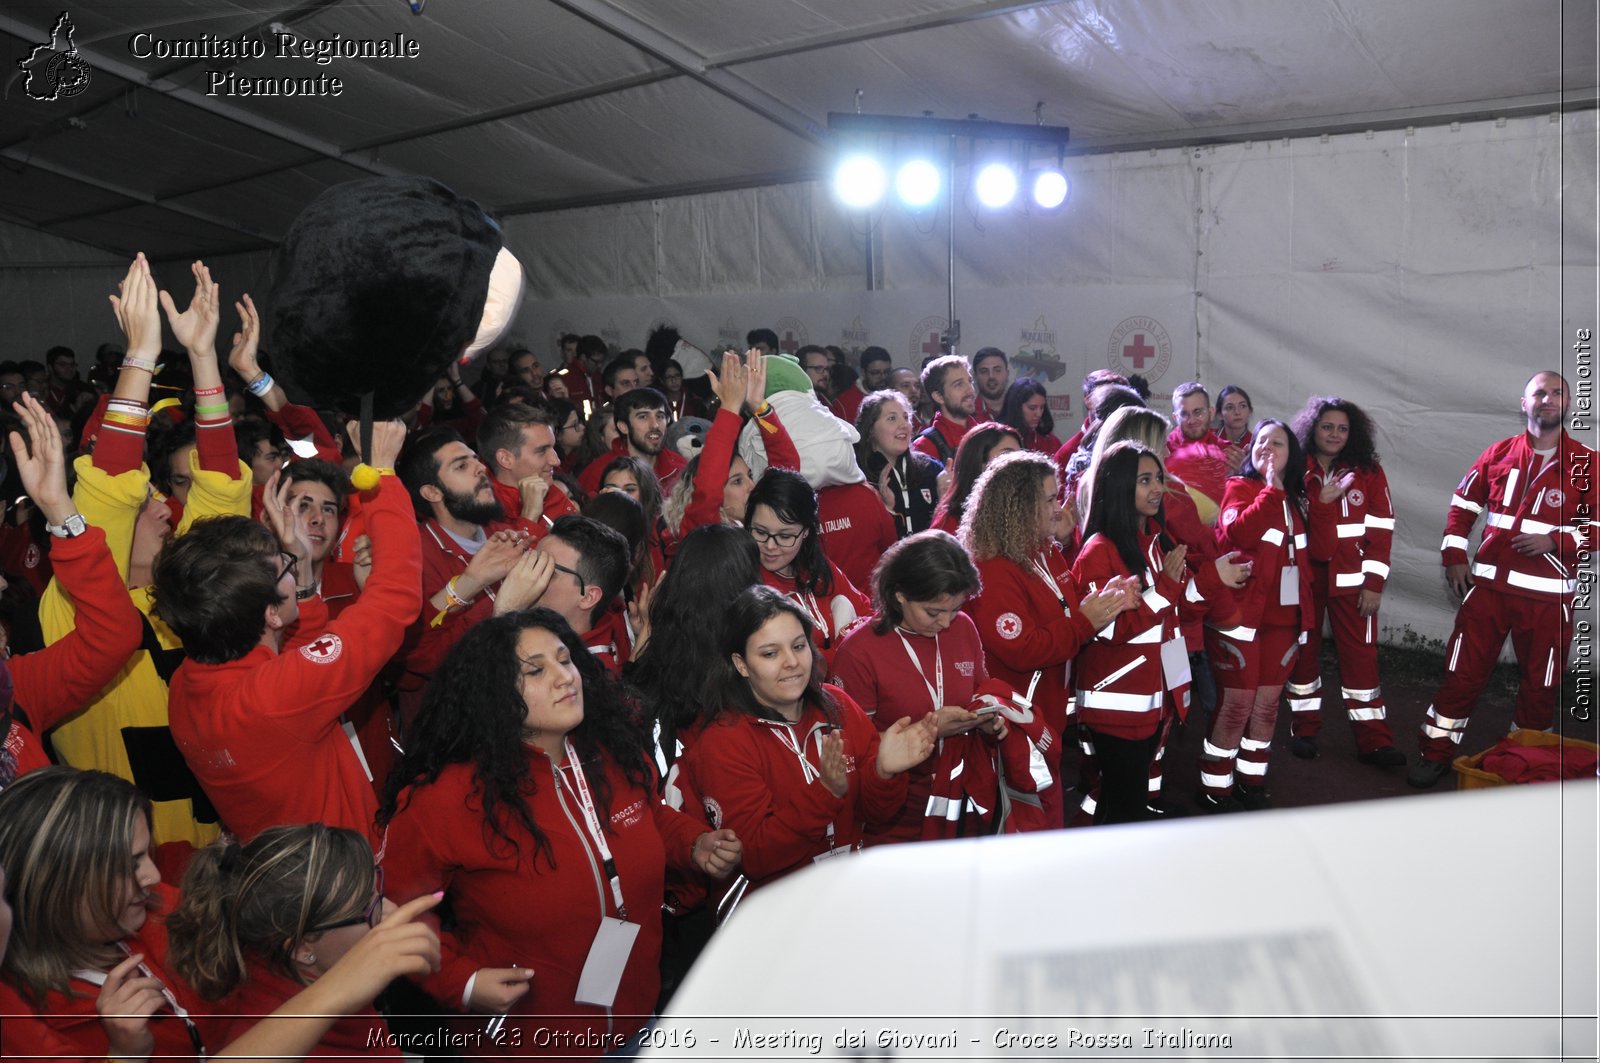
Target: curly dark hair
473 713
1359 452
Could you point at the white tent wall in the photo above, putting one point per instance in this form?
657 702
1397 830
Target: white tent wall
1422 273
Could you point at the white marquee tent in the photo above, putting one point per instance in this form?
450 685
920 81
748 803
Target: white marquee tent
1391 201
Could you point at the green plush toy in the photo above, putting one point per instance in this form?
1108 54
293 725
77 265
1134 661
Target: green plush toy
784 374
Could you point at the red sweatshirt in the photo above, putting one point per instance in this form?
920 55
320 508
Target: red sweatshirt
879 674
511 907
52 683
67 1027
856 529
262 733
751 778
667 466
1201 463
359 1036
831 617
951 432
711 477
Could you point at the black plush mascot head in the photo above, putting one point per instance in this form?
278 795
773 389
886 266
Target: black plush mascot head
379 285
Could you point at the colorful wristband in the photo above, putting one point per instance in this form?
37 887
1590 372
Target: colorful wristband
148 365
260 385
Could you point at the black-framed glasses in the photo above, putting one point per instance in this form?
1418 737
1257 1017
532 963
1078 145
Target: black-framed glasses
372 916
583 587
289 563
782 538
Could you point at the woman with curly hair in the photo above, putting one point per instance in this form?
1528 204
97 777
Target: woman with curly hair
781 516
1031 616
1026 407
981 444
1350 525
526 795
907 481
1261 518
791 764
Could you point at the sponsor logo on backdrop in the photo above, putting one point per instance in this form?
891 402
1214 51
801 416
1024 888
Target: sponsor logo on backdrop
1037 356
927 339
54 70
1140 345
792 334
855 338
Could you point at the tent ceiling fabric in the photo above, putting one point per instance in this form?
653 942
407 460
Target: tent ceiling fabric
529 106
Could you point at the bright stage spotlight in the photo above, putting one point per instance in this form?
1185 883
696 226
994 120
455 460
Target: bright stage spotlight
859 182
1050 189
917 183
996 185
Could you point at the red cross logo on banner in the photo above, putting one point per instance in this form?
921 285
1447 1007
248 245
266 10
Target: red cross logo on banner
325 650
789 344
1138 352
933 345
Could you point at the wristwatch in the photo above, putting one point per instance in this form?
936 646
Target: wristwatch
70 528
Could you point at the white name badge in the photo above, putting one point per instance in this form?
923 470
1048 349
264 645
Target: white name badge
608 956
1175 662
842 850
1289 585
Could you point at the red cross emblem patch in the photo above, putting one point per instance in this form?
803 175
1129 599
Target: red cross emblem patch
1554 497
325 650
1356 497
1009 625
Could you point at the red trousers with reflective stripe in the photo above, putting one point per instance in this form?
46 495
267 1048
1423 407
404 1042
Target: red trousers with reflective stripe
1541 632
1356 640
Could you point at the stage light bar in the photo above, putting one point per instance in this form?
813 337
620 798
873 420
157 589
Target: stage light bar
996 185
1049 189
917 183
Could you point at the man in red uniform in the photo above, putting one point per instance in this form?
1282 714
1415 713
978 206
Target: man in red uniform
991 375
1195 453
582 374
947 382
1536 492
641 416
577 570
518 445
256 713
876 365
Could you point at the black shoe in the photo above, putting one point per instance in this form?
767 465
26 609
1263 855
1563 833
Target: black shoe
1386 757
1304 748
1213 805
1424 773
1253 798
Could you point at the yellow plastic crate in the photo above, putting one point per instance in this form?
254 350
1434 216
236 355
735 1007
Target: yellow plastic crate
1469 776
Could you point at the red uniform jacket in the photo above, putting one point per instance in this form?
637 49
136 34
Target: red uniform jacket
557 504
1519 496
1259 522
53 683
952 434
711 475
856 529
847 407
876 671
752 780
1122 687
511 907
262 733
1027 629
1201 463
359 1036
67 1027
1351 534
668 464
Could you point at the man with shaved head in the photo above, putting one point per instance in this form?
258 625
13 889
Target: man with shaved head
1537 496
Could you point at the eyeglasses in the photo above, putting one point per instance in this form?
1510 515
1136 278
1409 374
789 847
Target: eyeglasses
372 916
783 538
583 587
289 563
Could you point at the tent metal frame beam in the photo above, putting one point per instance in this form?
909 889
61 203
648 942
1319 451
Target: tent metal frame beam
692 188
678 55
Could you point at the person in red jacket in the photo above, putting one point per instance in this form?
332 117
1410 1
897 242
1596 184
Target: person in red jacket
1252 658
1196 454
1026 408
948 383
255 710
919 655
793 765
526 795
1031 615
781 515
641 419
517 444
259 923
1536 492
1349 526
1133 677
981 445
1234 410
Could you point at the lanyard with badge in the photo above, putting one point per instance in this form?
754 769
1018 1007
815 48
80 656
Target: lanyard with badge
785 734
99 978
1289 574
936 688
613 942
1043 572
